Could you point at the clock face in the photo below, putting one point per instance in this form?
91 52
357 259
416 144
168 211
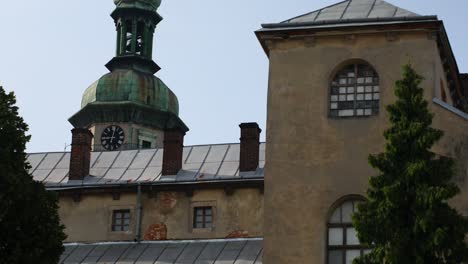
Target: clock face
112 137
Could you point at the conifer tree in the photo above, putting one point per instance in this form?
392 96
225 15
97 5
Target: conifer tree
30 230
407 218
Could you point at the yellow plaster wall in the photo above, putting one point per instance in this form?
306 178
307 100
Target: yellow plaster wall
313 160
89 220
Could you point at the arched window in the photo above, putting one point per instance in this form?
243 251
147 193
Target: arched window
355 91
342 244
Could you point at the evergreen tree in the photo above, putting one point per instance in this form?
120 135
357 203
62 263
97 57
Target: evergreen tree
406 218
30 230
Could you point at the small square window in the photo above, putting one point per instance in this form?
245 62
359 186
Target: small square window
369 96
342 98
335 257
203 217
360 97
376 88
334 106
334 98
342 90
350 89
335 236
351 237
120 220
343 81
350 97
348 112
360 89
368 89
360 80
351 255
145 144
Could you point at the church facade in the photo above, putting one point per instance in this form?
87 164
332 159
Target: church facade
131 192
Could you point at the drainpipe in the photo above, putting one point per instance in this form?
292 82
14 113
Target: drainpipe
138 216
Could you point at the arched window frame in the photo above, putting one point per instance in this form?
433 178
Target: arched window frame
354 91
344 247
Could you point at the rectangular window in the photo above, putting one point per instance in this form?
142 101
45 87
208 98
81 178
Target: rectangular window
120 220
202 217
145 144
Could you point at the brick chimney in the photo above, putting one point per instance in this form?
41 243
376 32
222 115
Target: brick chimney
249 146
173 148
80 156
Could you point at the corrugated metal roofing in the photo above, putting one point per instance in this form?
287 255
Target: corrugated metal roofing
206 162
354 9
233 251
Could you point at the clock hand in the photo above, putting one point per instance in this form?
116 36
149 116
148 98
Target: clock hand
113 133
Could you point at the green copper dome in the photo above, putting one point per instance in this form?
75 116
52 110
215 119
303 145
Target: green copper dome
130 86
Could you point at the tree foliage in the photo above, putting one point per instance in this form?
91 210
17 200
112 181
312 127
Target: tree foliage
406 218
30 230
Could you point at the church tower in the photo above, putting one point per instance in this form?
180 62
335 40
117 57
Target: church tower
130 108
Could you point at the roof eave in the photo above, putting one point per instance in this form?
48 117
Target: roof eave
269 30
349 21
452 67
183 186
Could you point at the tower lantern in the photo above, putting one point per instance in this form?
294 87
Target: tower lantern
135 22
129 107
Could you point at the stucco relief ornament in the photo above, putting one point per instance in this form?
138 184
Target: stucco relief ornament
156 232
168 200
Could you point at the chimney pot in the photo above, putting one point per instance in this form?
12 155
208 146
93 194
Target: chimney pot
80 156
249 146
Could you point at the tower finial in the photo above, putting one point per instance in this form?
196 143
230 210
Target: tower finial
135 21
143 4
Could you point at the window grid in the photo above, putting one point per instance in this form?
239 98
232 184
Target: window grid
120 220
202 217
355 91
343 245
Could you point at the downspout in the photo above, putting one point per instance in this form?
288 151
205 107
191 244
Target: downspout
138 215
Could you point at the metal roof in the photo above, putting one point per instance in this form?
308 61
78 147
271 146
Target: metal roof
350 13
200 163
234 251
354 9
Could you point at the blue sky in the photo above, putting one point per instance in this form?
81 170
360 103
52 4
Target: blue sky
51 51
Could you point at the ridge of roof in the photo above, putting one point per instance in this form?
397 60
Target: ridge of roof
352 9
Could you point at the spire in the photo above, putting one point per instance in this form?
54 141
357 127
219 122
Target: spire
135 22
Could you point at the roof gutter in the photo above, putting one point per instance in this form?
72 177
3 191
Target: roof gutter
163 185
349 21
